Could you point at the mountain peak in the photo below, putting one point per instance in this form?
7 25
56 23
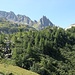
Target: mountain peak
45 21
11 12
44 16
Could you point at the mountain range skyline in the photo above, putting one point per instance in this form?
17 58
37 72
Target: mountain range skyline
60 12
23 19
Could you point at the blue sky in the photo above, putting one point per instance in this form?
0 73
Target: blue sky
60 12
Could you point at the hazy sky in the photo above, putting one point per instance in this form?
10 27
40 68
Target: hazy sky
60 12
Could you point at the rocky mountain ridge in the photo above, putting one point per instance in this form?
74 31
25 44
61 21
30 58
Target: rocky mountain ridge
22 19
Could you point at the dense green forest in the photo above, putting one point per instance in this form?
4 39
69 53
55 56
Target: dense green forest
50 51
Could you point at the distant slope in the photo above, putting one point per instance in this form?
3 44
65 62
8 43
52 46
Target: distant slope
72 25
10 27
7 69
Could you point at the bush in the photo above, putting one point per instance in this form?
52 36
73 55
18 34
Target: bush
1 73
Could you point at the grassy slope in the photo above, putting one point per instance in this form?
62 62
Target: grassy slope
15 70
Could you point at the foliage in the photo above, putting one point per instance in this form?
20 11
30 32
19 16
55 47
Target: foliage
50 51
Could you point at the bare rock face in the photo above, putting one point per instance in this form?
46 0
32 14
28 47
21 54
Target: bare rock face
24 20
10 16
45 22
